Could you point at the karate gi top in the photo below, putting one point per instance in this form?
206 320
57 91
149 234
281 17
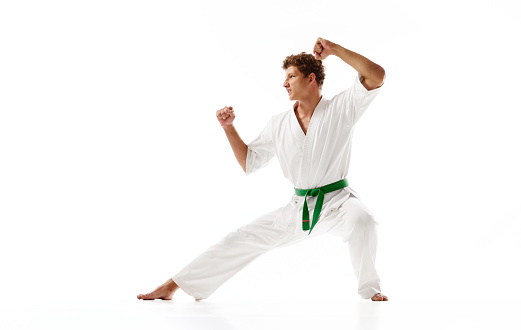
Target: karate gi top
317 158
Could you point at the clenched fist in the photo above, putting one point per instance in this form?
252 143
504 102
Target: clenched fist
225 116
322 48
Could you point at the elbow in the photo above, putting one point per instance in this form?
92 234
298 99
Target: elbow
375 78
379 75
244 165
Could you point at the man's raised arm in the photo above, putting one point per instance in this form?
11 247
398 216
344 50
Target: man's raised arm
225 116
372 73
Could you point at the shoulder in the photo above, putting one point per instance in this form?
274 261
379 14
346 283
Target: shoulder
277 122
281 116
355 92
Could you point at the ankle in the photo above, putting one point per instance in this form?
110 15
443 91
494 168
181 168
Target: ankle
171 285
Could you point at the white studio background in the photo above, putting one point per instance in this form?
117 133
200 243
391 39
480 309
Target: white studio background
114 172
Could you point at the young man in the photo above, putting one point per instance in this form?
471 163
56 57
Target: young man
313 144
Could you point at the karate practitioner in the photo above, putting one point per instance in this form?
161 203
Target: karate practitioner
312 142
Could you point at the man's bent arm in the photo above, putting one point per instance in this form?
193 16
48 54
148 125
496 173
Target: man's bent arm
373 73
240 149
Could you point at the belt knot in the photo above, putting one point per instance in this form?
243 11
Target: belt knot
314 192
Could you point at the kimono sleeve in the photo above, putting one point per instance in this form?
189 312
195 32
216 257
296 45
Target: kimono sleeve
355 100
260 151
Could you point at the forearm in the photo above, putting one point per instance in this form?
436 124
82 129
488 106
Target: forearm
240 149
373 73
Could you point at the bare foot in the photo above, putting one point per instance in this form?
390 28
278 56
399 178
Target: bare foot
165 292
379 297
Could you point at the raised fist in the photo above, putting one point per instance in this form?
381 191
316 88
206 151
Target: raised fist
225 116
322 48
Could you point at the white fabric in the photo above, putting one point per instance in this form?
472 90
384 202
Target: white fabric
317 158
310 160
353 223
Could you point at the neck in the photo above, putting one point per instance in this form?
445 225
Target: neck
306 107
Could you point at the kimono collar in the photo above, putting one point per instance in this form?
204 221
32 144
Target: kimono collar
315 117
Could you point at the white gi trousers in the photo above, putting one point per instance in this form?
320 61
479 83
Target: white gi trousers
354 224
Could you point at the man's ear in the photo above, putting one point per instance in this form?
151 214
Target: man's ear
311 77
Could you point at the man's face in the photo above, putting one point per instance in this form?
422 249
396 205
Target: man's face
296 85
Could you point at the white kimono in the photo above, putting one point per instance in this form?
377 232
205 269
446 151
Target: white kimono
310 160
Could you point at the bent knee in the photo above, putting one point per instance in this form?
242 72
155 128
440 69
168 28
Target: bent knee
367 219
359 214
358 219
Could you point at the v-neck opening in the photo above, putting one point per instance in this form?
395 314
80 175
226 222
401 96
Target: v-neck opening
301 130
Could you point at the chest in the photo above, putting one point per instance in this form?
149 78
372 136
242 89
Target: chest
304 123
296 136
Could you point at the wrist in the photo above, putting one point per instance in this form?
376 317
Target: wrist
227 127
336 49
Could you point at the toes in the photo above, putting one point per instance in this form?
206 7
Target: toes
377 297
143 296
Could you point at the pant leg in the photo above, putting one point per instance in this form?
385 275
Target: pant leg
201 277
359 228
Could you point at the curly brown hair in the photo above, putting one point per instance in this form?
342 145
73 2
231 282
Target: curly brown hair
307 64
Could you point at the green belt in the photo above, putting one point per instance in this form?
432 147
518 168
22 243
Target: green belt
320 191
